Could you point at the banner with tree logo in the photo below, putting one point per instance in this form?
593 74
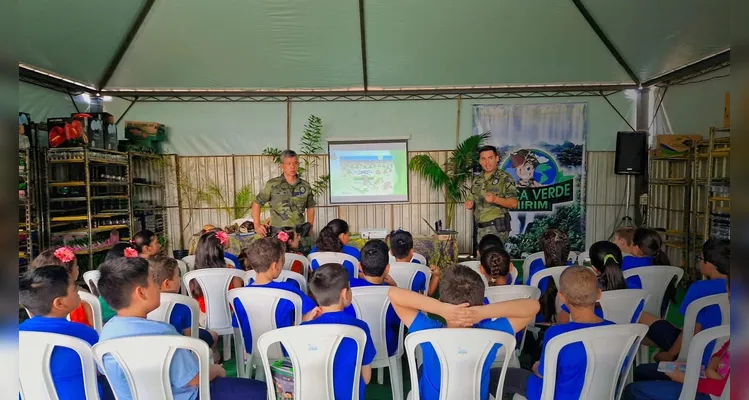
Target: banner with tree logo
541 147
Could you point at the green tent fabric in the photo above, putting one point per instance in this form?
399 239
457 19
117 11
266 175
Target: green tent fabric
316 44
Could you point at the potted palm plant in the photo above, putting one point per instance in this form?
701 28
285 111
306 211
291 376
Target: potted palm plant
453 176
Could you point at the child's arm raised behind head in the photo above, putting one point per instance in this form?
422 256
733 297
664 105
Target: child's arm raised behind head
519 312
407 304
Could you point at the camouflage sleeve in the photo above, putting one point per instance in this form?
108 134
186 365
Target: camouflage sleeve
264 196
311 203
469 193
509 190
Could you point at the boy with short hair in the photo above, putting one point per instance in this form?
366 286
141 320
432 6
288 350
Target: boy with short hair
165 272
579 291
461 305
50 294
402 249
329 285
128 288
714 264
374 267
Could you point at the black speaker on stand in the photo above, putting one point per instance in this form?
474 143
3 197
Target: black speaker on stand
631 159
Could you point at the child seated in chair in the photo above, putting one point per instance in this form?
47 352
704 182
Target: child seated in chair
714 263
332 240
579 291
50 294
496 266
65 257
643 247
461 305
487 242
127 286
556 247
330 287
266 257
402 249
146 243
653 385
374 269
165 272
209 253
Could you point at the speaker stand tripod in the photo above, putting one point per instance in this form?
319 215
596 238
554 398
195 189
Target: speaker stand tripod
626 220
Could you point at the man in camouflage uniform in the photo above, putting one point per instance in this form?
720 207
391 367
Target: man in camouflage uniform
492 194
288 195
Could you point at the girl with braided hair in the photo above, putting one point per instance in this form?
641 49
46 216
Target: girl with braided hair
556 247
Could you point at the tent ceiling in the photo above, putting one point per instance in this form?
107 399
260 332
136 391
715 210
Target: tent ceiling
308 44
656 37
77 38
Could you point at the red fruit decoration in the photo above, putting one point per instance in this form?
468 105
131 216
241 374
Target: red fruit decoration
56 136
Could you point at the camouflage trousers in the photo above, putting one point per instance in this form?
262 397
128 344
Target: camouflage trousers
491 230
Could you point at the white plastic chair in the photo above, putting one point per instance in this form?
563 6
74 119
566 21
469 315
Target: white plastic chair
549 272
214 282
620 306
404 273
260 305
285 276
583 257
35 353
696 349
527 264
421 259
690 319
326 257
92 280
476 266
462 353
312 349
291 258
610 350
655 280
229 261
371 306
183 269
145 362
96 312
498 294
190 261
168 302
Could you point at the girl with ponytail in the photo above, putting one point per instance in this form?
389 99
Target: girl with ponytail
556 247
339 229
646 251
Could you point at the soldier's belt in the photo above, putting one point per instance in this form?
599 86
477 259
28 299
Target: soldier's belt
502 223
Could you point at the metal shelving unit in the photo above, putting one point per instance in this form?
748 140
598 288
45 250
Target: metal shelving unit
147 185
88 194
670 203
28 216
712 186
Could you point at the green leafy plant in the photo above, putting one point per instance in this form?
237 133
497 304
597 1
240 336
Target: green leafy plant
237 207
452 176
309 148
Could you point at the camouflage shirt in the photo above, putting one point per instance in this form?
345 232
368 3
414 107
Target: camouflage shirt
287 202
501 184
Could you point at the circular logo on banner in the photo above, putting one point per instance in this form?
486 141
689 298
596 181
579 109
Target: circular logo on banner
531 168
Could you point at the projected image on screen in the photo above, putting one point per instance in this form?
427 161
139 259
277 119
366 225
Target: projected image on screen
368 172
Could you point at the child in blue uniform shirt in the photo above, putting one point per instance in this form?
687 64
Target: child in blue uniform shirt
714 263
165 272
461 305
334 237
644 248
266 256
556 247
495 266
330 286
374 272
579 291
50 294
128 288
402 249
